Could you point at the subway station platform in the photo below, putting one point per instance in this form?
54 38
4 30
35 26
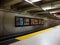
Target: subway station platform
50 36
29 22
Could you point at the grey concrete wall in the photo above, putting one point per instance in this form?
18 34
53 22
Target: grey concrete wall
8 23
51 22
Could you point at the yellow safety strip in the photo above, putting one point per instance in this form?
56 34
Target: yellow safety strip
32 34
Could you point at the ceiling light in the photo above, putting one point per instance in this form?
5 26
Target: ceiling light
32 1
46 8
54 11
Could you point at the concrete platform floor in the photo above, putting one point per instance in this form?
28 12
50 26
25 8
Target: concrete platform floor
51 37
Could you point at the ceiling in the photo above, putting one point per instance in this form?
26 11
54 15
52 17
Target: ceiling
44 8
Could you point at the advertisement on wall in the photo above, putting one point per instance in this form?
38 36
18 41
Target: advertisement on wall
32 21
26 21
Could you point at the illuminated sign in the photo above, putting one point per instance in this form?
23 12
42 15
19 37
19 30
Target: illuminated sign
21 21
41 21
17 21
32 21
25 21
36 21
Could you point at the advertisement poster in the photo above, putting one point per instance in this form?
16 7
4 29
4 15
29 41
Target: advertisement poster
26 21
41 21
32 21
21 21
36 21
17 22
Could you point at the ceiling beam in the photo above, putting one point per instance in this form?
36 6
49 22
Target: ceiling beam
48 16
12 2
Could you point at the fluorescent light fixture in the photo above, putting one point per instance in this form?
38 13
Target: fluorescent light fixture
46 8
54 11
32 1
35 0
